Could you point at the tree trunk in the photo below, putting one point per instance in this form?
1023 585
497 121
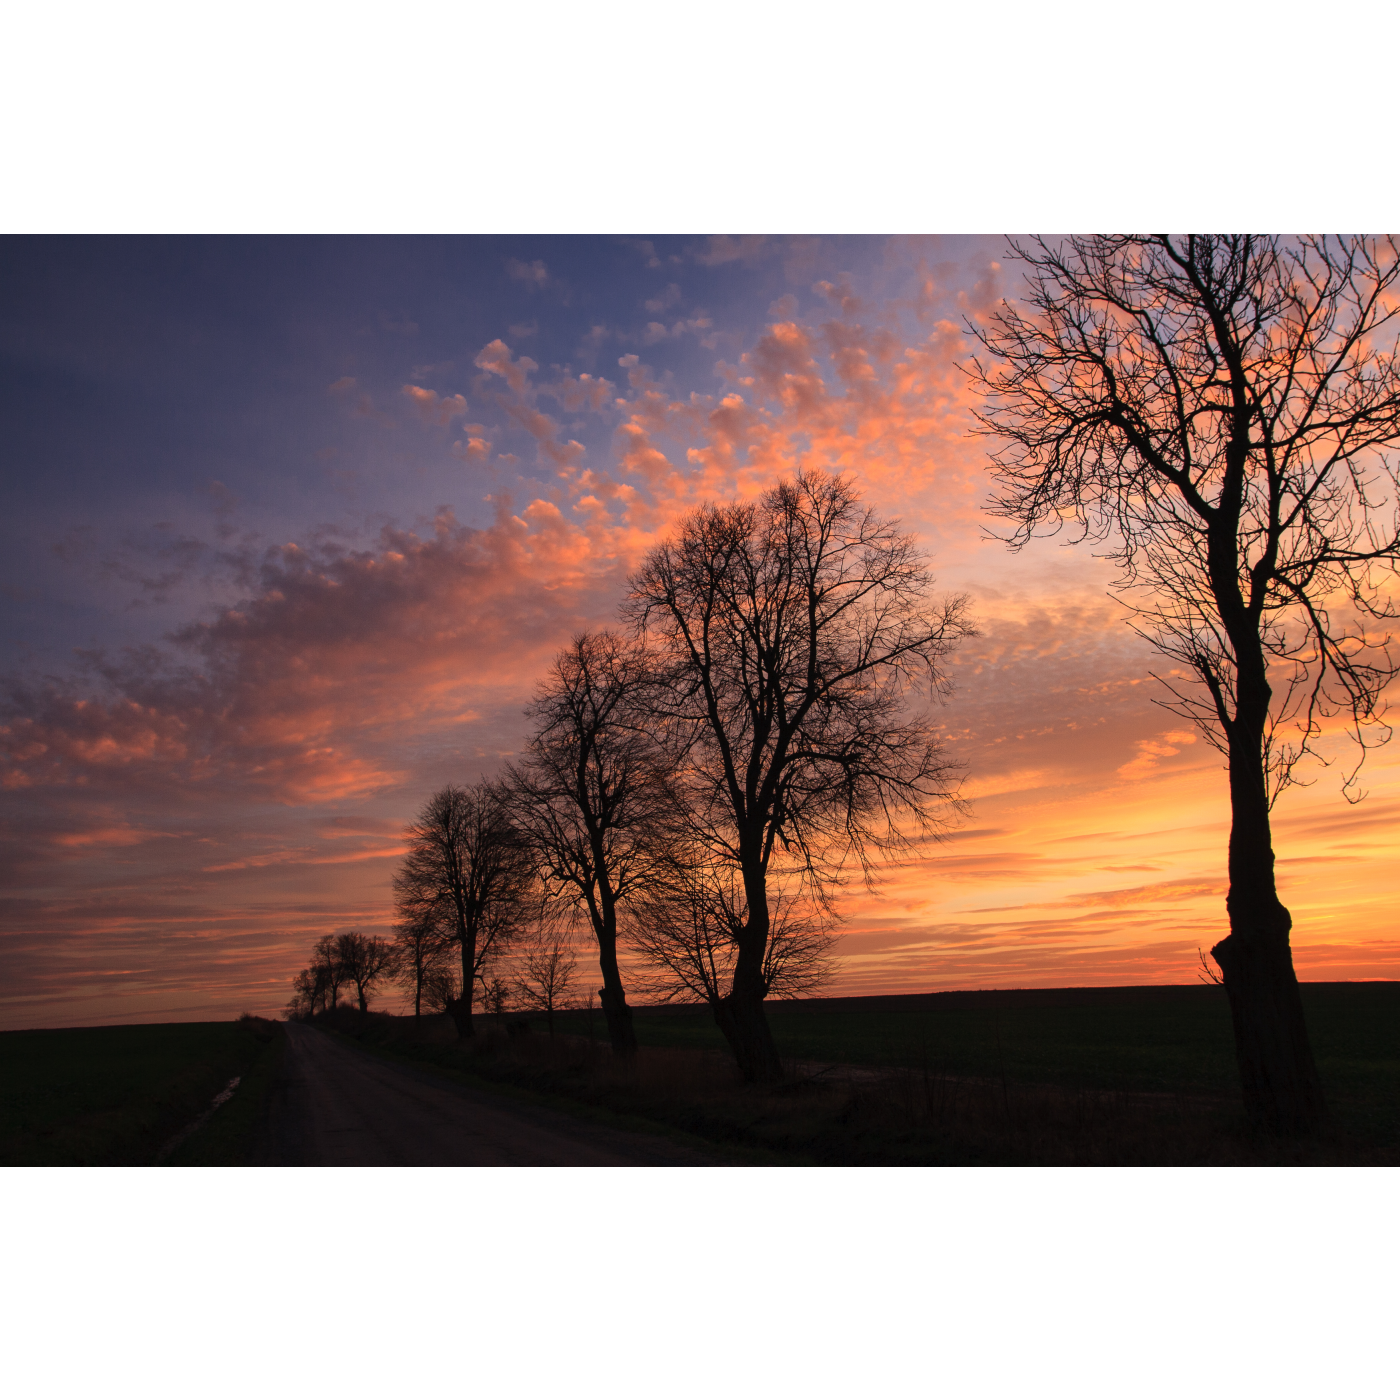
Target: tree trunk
460 1009
740 1015
1278 1076
742 1020
618 1014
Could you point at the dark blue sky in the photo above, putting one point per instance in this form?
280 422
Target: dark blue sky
165 398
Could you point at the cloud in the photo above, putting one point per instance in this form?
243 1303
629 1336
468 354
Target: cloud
646 248
1151 752
472 449
496 359
585 392
663 301
656 331
535 273
431 408
723 248
427 371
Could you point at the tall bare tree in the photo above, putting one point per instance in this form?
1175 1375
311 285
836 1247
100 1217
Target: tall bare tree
591 798
1212 410
467 860
789 633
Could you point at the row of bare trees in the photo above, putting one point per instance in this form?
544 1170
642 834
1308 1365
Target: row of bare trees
340 961
1214 411
538 976
697 789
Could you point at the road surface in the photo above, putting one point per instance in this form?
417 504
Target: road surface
338 1106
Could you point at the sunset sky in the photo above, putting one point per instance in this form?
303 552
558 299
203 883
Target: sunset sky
293 526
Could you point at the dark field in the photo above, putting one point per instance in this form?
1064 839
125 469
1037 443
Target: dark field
115 1095
1174 1042
1134 1075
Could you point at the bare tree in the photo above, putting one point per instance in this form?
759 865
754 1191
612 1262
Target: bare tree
327 971
466 859
495 997
591 798
309 992
365 961
1212 411
424 940
790 633
441 989
687 927
547 967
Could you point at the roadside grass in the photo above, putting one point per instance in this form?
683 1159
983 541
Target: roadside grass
114 1095
1123 1040
230 1137
1111 1076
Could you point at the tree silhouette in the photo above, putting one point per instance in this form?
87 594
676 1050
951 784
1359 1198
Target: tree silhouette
1212 410
423 938
365 961
547 967
687 925
467 862
591 799
326 970
787 635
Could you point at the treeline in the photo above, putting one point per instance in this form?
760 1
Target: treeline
538 973
697 788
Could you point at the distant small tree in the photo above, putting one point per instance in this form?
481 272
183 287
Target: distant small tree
308 994
365 961
495 996
546 973
327 970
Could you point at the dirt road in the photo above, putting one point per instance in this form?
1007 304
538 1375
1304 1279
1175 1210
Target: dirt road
336 1106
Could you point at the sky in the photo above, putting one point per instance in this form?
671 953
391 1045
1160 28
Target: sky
293 526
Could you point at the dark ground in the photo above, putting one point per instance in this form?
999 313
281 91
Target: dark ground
115 1095
1139 1075
332 1105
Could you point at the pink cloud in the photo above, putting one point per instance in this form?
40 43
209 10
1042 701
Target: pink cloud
496 359
435 410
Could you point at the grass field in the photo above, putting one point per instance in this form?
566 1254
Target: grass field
1089 1075
1140 1040
114 1095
